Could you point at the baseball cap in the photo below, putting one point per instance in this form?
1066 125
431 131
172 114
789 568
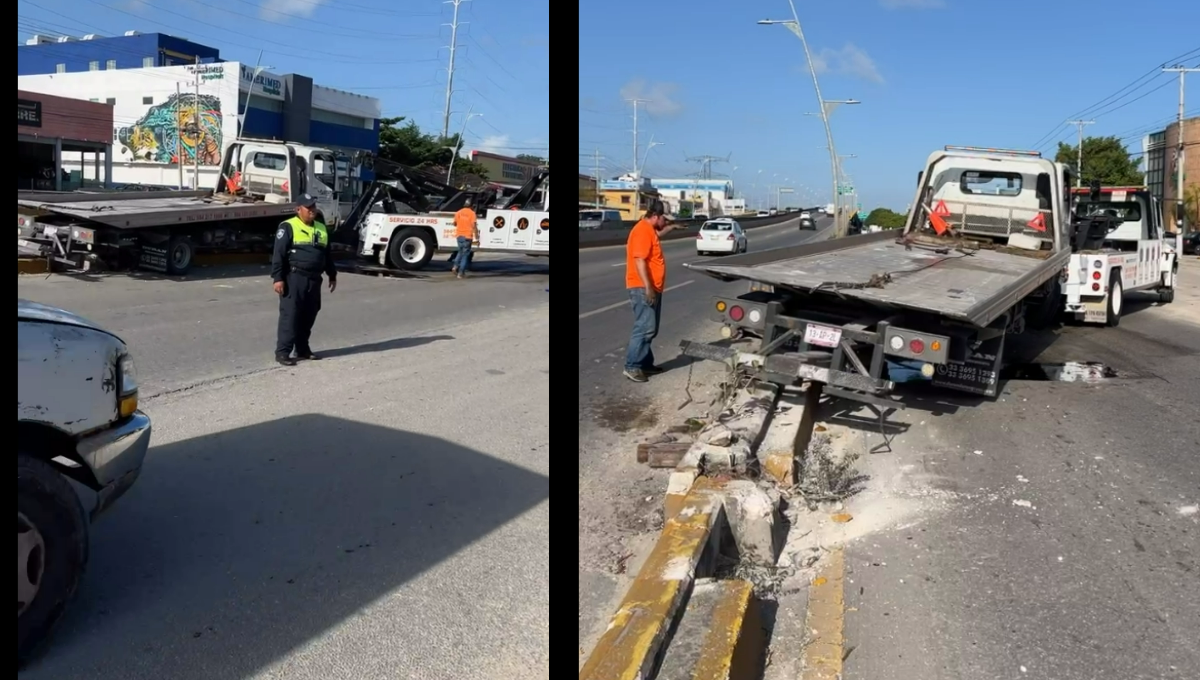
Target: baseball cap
655 208
307 201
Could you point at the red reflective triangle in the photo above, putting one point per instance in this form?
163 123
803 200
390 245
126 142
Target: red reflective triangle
941 210
1038 223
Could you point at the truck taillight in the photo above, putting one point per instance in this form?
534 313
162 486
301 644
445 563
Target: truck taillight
1096 276
736 313
917 346
1095 286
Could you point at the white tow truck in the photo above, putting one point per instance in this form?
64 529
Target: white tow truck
404 220
259 186
1119 248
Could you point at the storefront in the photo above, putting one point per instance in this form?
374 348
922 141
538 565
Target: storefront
50 129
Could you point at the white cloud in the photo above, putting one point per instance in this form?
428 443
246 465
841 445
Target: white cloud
279 11
912 4
501 144
850 60
660 97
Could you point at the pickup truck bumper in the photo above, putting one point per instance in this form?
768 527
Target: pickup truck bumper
115 457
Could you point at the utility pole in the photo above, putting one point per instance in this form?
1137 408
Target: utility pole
596 160
635 101
1079 151
179 133
199 132
450 69
1179 146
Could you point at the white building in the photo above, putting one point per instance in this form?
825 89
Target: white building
165 122
710 196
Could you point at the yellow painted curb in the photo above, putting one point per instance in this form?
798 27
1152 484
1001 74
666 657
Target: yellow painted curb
630 646
736 642
825 623
31 266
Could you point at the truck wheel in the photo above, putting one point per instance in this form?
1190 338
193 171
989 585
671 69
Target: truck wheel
179 255
411 248
1167 295
52 550
1116 299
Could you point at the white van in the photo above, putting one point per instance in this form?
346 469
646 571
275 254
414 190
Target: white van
599 219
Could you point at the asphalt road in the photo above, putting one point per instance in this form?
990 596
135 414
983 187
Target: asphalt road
1052 533
619 501
381 514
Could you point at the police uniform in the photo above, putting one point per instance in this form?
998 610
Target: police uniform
301 255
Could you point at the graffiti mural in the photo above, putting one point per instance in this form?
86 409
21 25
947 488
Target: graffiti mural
180 127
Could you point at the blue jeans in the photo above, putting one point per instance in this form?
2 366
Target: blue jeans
645 328
463 259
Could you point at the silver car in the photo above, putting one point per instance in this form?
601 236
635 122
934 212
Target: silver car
590 220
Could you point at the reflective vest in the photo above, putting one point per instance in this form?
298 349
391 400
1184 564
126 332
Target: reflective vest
308 235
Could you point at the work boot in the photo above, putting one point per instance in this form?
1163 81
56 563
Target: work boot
285 360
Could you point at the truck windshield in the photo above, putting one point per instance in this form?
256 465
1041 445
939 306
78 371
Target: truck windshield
1130 211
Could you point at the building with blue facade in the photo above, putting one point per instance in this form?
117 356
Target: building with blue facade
176 103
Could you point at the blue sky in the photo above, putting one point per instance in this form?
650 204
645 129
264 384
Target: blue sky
928 73
396 51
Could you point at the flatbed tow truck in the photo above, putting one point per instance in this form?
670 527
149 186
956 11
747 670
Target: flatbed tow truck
405 217
984 253
259 186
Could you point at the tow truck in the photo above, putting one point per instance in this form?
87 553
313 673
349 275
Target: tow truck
981 257
1120 248
260 185
406 216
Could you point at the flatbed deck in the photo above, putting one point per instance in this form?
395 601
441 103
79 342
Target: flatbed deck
974 287
139 210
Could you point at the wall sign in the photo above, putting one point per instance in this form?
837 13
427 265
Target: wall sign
29 113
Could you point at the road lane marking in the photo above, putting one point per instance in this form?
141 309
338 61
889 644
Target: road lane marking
619 264
615 305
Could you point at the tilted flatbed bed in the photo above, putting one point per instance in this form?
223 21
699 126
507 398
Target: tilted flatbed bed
971 286
139 210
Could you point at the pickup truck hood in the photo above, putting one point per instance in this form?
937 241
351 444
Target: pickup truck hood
27 310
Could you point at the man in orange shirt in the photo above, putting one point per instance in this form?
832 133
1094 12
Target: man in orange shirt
467 231
645 279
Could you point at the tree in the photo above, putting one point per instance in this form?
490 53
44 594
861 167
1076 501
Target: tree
888 219
1191 202
530 158
1105 159
403 142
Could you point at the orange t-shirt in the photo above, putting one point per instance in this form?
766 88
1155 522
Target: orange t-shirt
643 244
464 223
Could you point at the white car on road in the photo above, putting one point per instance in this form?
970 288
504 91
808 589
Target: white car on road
721 236
805 214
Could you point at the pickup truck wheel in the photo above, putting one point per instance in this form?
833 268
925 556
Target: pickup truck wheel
52 550
1167 295
179 255
411 248
1116 299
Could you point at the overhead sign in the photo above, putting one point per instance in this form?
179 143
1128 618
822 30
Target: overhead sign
862 214
29 113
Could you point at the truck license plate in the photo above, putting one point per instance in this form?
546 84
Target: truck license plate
824 336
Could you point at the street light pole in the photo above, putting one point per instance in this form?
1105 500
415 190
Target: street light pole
458 147
794 26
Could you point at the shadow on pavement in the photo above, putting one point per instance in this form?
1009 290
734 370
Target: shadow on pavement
237 548
382 346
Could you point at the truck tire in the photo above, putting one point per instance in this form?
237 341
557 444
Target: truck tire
411 248
1116 299
179 255
52 550
1167 295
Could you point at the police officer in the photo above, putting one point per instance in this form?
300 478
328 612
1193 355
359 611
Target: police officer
301 255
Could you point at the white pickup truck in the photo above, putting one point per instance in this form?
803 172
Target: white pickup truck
77 420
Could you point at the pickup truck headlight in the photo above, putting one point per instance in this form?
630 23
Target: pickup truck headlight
127 392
